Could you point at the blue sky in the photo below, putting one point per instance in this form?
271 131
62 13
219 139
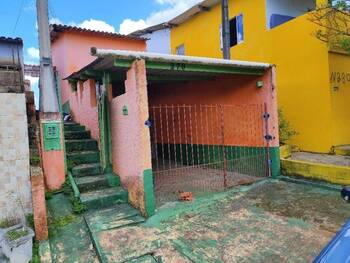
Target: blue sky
18 19
122 16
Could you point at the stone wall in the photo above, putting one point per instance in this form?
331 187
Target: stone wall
15 189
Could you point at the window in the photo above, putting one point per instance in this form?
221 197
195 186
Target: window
279 12
236 31
180 50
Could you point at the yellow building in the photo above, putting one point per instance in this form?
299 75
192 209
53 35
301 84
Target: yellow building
313 82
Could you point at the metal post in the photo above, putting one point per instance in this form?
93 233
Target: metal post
223 144
48 97
268 138
225 30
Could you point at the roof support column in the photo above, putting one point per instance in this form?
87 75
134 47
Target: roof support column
105 126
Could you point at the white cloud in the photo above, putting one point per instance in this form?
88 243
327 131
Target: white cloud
92 24
98 25
55 20
172 9
33 53
129 26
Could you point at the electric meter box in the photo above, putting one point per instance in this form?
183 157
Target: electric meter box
52 136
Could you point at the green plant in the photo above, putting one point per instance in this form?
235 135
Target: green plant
332 20
34 160
286 132
77 206
67 188
30 220
36 256
57 223
7 223
48 195
16 234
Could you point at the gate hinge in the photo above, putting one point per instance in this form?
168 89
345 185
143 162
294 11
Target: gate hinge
268 137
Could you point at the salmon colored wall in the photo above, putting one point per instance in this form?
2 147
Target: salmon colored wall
70 53
84 111
243 118
131 148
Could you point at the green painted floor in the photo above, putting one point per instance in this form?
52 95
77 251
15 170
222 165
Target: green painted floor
271 221
68 235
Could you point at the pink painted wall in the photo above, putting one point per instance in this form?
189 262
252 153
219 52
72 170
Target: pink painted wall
242 117
70 53
84 111
130 136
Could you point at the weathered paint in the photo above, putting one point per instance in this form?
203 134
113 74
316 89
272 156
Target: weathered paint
130 136
71 52
104 125
149 192
52 161
302 55
285 151
329 173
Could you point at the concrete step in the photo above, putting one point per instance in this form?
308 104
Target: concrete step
112 217
84 157
96 182
77 135
342 150
86 169
73 127
104 197
81 145
88 183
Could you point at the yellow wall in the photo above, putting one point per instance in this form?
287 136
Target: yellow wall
301 60
339 67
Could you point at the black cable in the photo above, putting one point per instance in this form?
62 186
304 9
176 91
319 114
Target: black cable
18 17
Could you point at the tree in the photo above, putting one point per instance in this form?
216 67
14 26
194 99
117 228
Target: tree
333 20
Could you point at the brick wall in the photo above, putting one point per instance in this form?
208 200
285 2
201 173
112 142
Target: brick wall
14 156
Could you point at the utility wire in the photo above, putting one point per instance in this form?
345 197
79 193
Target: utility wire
51 10
18 16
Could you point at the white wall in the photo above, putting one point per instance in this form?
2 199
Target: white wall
15 186
159 41
288 8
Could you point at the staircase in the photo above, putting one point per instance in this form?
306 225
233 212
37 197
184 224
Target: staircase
101 193
93 188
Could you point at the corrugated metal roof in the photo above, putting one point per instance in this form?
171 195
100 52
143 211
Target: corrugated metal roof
56 29
16 40
148 56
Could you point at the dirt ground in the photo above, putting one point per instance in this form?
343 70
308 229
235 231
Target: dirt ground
322 158
171 179
271 221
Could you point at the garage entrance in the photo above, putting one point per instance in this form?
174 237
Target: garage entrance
206 148
176 124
